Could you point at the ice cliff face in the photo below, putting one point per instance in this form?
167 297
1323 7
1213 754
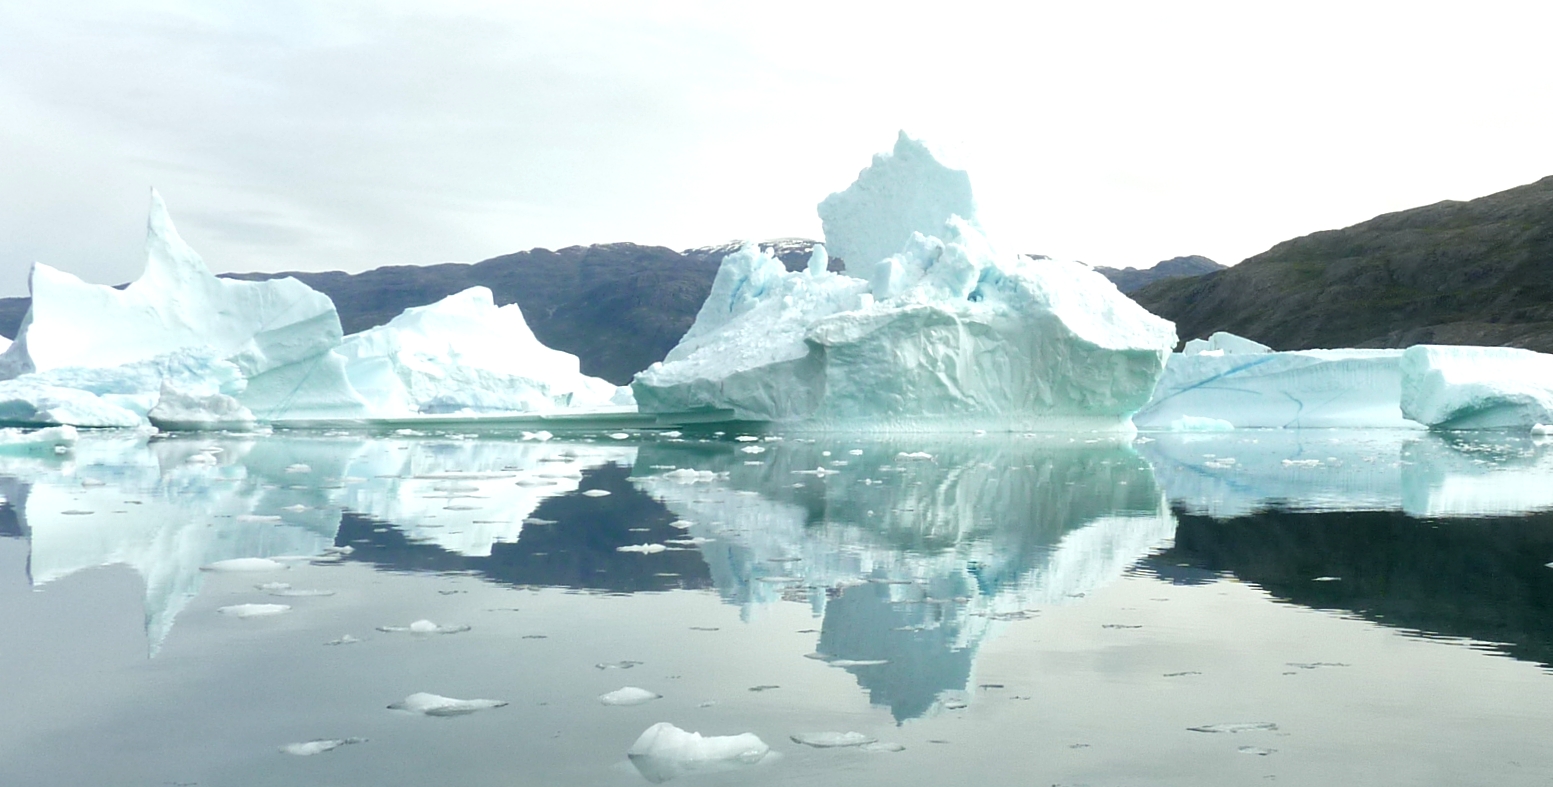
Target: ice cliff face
945 331
465 353
1477 387
1230 381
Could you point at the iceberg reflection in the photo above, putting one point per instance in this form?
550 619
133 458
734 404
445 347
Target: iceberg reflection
913 557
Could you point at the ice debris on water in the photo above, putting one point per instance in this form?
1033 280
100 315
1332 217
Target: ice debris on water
540 435
320 746
628 695
244 564
424 627
665 751
1257 750
626 664
832 740
882 747
428 704
254 610
1237 727
645 549
595 493
345 639
909 455
298 468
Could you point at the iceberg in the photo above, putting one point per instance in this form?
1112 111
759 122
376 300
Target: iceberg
464 353
1224 343
1229 380
1477 387
944 331
665 751
94 355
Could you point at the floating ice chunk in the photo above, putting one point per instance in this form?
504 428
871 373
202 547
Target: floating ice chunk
645 549
1301 389
665 751
1257 750
945 334
619 436
882 746
832 740
686 475
254 610
464 353
1224 343
290 592
1237 727
629 695
909 455
424 627
540 435
239 564
345 639
258 518
318 746
436 705
184 411
1542 429
753 449
595 493
1477 387
43 442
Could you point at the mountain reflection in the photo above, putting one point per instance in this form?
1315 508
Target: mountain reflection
1482 579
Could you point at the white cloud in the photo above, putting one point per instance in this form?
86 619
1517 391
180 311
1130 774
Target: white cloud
319 136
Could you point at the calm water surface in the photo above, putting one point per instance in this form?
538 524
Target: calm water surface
1320 607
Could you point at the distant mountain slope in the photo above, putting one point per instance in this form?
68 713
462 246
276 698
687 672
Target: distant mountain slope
617 306
1130 279
1478 272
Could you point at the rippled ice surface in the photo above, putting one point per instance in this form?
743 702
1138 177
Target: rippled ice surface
1322 607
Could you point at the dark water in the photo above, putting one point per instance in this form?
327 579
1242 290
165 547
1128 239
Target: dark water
1309 608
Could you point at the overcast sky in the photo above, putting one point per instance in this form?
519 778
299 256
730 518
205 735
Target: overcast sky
318 136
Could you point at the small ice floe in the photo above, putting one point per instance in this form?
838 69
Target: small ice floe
855 452
909 455
1302 463
93 482
1327 579
241 564
296 509
1257 750
746 438
345 550
619 436
536 482
673 433
685 475
284 590
254 610
345 639
857 662
1237 727
319 746
832 740
540 435
690 542
1542 429
645 549
423 627
76 512
596 493
617 664
753 449
629 695
200 459
436 705
682 524
881 747
257 518
665 751
298 468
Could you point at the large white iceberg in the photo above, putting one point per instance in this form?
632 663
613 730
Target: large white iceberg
464 353
184 349
1477 387
945 331
94 355
1242 384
